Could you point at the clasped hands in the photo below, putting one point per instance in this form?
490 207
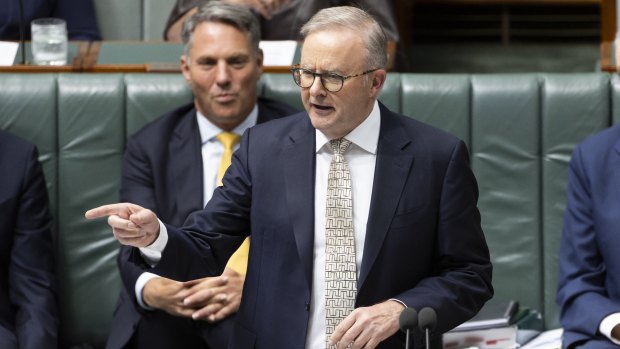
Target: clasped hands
211 299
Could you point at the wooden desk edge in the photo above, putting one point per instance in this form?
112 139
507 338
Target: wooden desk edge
606 53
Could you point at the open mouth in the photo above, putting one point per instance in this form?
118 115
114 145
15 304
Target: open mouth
322 107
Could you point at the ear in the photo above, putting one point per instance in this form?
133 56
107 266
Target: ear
185 68
377 79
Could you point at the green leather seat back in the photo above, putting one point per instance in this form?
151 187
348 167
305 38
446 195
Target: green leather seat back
439 100
91 139
573 107
391 93
151 95
280 87
505 146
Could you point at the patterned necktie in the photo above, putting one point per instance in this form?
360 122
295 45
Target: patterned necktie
239 260
340 268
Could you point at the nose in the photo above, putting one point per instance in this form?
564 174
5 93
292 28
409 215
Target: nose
317 89
222 77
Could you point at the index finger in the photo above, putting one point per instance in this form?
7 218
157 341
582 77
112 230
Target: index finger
342 329
120 209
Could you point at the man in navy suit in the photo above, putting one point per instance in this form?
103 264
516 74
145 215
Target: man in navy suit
416 226
589 279
28 309
171 165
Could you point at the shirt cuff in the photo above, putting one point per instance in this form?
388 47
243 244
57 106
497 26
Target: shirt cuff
152 253
398 301
142 280
608 324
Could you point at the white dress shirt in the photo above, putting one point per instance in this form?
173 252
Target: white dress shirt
212 151
361 158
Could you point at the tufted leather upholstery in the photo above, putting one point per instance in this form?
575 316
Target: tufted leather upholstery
520 129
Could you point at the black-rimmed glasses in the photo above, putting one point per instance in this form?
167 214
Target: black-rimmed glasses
332 82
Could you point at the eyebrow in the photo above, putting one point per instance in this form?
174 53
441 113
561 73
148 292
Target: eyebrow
237 56
328 71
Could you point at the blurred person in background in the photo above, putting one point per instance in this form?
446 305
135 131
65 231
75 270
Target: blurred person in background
172 166
282 19
79 15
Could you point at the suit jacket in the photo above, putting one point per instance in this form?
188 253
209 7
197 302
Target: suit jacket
424 244
28 309
162 171
589 278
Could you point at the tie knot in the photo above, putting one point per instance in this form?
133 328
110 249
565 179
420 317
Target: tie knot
228 139
339 145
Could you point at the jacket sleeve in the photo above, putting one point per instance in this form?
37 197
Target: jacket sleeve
31 272
582 294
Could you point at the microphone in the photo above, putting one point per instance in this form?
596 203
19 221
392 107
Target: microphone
408 321
427 322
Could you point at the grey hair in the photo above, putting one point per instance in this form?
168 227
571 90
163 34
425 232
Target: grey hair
356 19
213 11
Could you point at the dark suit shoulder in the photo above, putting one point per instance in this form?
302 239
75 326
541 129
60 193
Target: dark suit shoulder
420 129
269 109
602 141
13 148
167 122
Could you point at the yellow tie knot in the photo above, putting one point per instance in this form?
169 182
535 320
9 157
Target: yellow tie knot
228 139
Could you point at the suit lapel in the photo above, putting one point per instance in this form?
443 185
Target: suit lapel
186 158
299 158
391 172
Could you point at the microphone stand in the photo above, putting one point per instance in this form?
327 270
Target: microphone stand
22 41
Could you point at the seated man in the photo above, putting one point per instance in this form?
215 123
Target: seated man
172 167
28 309
589 279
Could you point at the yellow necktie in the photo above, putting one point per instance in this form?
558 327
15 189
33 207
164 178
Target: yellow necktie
239 260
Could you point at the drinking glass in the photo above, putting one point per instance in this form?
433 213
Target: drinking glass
49 41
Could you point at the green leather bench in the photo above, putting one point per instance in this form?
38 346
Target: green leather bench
520 129
132 20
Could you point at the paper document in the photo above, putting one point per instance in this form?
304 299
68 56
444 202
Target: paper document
8 50
278 53
551 339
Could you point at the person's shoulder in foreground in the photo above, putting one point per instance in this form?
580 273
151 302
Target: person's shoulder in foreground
588 291
28 309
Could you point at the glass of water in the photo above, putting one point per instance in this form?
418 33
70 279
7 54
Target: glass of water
49 41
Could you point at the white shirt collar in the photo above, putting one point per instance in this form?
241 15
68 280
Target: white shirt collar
365 135
208 130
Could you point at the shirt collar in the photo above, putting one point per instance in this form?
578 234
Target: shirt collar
208 130
365 135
